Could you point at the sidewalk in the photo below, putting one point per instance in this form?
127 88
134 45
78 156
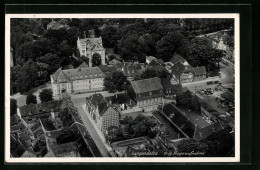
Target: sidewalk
101 135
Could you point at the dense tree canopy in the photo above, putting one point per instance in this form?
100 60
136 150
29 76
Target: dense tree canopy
109 36
116 81
52 60
30 75
132 39
46 95
96 60
217 144
189 101
31 98
156 71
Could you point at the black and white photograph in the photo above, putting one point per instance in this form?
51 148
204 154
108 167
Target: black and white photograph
122 88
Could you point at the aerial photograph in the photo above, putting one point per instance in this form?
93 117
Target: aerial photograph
122 87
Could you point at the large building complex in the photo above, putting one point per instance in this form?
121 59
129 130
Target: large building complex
89 46
77 80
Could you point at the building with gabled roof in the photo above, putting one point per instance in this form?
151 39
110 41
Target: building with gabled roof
77 80
16 148
194 125
102 112
177 58
88 46
116 62
83 65
185 73
147 93
131 69
40 110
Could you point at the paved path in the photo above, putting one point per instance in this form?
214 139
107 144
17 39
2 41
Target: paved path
79 102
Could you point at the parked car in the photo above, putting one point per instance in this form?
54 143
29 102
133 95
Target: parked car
216 82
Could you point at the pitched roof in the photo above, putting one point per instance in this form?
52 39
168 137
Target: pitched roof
176 88
99 102
16 148
228 96
198 70
115 61
83 65
15 119
78 74
150 58
177 58
95 99
193 124
35 126
103 107
160 61
178 69
63 148
88 40
132 70
108 69
147 85
34 109
47 125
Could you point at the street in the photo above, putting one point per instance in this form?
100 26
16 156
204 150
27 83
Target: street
226 79
79 102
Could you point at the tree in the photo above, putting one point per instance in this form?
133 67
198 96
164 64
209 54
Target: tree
53 61
199 52
117 81
220 143
31 75
64 51
169 44
46 95
189 101
31 98
75 22
156 71
147 44
32 50
109 36
13 107
97 31
111 57
130 49
109 85
96 59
